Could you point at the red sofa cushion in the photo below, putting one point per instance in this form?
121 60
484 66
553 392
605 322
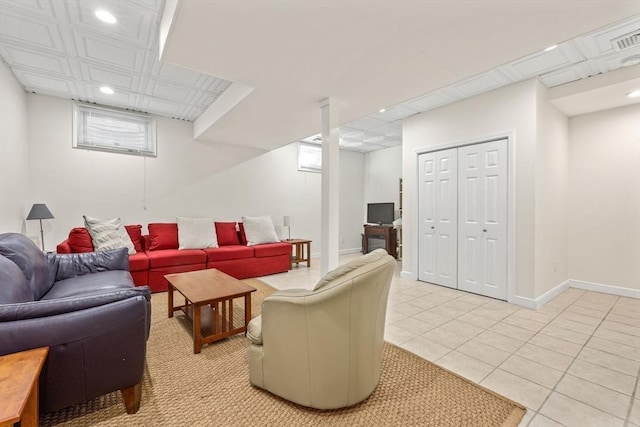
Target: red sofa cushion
241 236
135 232
173 257
138 261
80 240
224 253
227 233
272 249
163 236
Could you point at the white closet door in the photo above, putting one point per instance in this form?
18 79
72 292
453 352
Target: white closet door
438 217
482 231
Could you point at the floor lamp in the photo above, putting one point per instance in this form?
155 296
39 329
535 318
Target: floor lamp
40 211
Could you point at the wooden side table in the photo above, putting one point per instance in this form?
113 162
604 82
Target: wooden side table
19 374
301 252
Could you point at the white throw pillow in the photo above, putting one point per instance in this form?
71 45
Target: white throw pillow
108 234
196 233
259 229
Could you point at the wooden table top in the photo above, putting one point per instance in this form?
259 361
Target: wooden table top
297 241
18 375
201 286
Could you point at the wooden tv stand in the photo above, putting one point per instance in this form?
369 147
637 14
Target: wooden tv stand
380 236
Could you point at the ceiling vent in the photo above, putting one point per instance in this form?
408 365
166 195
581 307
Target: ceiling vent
627 41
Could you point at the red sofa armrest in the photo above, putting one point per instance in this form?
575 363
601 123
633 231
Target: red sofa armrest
63 247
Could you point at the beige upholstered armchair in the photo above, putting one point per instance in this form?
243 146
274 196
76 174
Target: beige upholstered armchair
322 348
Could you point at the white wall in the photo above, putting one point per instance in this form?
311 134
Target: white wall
551 195
188 178
14 151
383 170
604 188
508 110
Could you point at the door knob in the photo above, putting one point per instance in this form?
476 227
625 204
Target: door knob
432 227
484 231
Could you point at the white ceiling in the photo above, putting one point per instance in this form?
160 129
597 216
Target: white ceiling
284 57
367 55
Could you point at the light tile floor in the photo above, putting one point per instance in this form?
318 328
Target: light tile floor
574 362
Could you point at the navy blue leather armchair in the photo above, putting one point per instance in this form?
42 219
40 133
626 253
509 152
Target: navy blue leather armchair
86 309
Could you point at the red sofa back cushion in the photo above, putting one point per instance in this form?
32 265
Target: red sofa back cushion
227 233
80 239
241 236
163 236
135 232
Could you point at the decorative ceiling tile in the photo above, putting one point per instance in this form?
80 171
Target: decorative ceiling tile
101 75
119 99
134 25
219 85
375 139
24 58
349 132
543 62
566 75
172 72
393 129
41 8
432 100
36 82
168 108
366 123
30 31
171 92
479 84
107 52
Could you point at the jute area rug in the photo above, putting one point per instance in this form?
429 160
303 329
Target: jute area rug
212 388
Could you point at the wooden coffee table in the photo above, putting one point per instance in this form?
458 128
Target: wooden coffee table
209 296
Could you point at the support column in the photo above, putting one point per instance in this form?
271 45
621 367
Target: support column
330 187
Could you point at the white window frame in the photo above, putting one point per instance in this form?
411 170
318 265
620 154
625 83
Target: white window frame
309 157
82 111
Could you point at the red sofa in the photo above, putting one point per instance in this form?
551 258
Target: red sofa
157 253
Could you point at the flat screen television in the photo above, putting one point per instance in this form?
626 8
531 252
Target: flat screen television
380 213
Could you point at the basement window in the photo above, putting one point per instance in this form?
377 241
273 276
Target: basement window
309 157
116 131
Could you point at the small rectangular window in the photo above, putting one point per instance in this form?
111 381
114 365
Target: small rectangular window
309 157
104 129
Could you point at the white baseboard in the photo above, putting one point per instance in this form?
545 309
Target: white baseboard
408 275
523 302
536 303
340 252
605 289
349 251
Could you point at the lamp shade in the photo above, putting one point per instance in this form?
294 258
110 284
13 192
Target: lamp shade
39 211
288 221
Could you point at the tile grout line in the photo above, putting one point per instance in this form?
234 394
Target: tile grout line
564 374
633 398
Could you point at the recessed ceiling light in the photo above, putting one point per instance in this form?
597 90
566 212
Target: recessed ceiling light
634 94
105 16
106 90
382 110
550 48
